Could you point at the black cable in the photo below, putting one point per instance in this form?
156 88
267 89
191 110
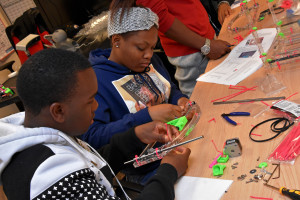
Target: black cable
287 125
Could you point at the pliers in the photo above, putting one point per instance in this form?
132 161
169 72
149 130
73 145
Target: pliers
225 116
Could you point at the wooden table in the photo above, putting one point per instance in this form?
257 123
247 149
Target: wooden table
203 151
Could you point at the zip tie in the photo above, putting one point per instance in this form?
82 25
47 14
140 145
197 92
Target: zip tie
260 198
234 94
158 156
279 67
291 96
215 160
215 146
136 159
255 134
213 119
265 103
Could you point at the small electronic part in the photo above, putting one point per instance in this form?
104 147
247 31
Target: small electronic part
233 147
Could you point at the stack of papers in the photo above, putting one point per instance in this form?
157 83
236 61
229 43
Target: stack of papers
242 61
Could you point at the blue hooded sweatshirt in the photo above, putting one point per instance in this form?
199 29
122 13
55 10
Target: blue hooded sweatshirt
123 96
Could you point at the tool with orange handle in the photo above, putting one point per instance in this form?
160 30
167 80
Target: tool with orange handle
293 194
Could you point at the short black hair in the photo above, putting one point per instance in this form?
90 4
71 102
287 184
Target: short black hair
49 76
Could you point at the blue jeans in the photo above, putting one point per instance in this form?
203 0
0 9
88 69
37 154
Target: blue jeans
188 69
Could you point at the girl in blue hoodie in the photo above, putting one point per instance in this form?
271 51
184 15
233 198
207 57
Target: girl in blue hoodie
133 85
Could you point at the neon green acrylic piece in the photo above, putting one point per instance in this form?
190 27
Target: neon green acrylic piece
269 60
179 123
281 34
7 90
261 18
263 164
279 23
271 0
254 28
218 169
188 132
222 159
245 1
264 54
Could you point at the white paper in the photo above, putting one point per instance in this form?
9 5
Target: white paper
196 188
242 61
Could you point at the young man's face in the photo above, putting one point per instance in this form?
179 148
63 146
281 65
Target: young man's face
135 51
82 105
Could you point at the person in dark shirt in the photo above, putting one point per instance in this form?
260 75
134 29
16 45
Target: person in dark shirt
41 156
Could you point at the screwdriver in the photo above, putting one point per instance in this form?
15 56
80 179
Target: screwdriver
293 194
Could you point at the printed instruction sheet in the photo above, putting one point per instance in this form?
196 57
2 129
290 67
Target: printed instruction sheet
242 61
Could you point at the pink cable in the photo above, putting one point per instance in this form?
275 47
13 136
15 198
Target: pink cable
265 103
260 198
136 159
215 160
235 94
279 67
215 146
291 96
289 147
255 134
213 119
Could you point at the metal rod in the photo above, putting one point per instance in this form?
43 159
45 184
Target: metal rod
166 149
248 100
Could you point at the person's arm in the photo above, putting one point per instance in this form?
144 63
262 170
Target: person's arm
123 146
161 185
176 30
223 9
101 131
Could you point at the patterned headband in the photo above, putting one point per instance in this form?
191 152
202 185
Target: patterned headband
135 19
